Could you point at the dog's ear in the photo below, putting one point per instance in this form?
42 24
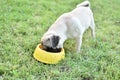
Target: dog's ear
55 40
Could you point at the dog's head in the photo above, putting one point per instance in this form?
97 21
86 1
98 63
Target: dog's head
50 41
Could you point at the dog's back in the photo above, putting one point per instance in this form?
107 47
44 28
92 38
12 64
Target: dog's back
79 19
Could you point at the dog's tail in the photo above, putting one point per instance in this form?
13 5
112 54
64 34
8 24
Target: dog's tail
84 4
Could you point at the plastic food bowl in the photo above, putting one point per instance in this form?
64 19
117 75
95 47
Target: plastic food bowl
48 57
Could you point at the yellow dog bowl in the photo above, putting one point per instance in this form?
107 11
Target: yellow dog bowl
48 57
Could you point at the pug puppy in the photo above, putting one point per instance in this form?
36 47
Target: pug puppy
70 25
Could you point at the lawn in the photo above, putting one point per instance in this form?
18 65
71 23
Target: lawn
22 24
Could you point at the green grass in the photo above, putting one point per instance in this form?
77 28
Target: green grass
22 24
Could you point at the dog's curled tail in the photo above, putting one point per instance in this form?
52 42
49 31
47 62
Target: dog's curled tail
84 4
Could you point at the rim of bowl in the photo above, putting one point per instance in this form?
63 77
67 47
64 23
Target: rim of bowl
40 48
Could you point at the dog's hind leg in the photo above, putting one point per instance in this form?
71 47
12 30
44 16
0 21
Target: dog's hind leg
92 26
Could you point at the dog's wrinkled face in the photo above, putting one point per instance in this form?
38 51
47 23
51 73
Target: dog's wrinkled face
50 41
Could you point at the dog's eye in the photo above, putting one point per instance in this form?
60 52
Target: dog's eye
41 43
